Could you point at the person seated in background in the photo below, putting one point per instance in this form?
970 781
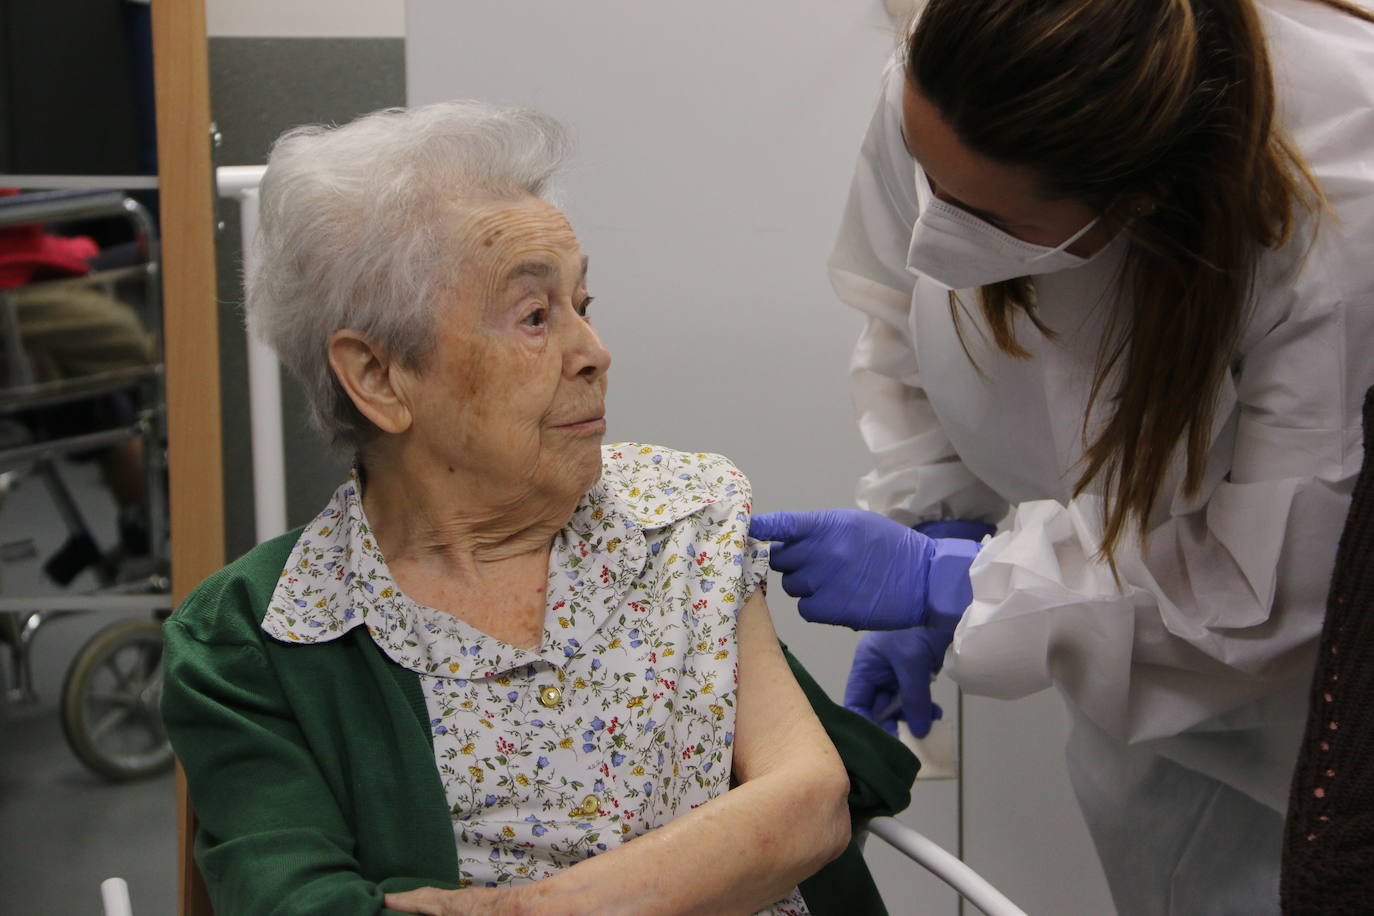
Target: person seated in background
71 331
506 669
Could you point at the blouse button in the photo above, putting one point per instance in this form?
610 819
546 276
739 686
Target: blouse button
590 806
550 697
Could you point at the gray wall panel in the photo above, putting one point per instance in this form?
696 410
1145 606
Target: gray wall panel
260 87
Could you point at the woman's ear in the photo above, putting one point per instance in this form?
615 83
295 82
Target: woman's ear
369 376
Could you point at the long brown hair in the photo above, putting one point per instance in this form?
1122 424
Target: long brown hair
1158 114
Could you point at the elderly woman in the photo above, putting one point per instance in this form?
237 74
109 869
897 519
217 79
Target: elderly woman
504 660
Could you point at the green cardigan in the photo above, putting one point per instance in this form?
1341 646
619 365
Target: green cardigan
311 771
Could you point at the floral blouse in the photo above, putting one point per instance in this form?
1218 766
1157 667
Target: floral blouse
622 718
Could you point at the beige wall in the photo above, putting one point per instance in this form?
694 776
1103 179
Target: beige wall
305 18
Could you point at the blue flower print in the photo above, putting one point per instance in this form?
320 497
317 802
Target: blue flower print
513 696
300 602
707 585
597 724
617 758
648 788
650 675
489 800
596 664
539 830
542 762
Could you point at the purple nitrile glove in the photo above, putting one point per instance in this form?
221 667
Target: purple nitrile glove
899 663
862 570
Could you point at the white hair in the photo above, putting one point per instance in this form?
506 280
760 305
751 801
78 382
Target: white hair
355 231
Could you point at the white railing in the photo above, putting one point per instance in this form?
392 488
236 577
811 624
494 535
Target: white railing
240 182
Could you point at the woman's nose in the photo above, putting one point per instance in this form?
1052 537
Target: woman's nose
588 356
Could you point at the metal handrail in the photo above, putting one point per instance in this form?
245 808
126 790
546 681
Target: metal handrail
59 206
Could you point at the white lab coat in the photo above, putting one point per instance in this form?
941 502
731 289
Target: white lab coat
1188 683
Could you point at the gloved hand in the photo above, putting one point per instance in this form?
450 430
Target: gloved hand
862 570
897 663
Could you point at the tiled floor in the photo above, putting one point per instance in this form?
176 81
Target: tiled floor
63 829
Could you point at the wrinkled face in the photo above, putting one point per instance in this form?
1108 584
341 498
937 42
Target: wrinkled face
514 393
1005 196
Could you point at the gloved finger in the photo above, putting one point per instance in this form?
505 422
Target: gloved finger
778 526
917 708
789 557
798 585
883 707
868 676
829 607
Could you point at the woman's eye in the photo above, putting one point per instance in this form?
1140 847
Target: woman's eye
585 305
537 318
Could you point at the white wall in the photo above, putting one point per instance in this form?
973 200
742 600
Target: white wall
305 18
716 144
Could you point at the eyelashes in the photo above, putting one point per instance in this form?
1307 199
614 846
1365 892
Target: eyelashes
539 317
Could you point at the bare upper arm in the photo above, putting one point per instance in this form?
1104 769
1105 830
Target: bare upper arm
775 726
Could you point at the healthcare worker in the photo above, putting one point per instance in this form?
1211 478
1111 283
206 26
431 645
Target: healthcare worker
1117 263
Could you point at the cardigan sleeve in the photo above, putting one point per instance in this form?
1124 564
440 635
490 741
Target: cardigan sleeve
272 838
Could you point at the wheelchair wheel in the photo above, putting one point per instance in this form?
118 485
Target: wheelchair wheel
110 702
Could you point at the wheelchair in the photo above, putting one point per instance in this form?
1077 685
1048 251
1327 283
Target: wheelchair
112 688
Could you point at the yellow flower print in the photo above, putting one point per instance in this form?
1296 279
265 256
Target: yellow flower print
703 646
645 450
388 592
612 544
614 643
634 491
708 687
565 743
597 515
292 635
486 722
634 702
564 622
476 773
669 651
659 509
638 771
503 680
321 602
718 710
507 832
723 653
324 530
624 828
468 748
466 704
522 779
453 667
729 596
579 683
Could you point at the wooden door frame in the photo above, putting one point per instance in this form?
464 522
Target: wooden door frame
190 334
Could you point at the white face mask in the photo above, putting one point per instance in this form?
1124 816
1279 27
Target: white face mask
957 250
